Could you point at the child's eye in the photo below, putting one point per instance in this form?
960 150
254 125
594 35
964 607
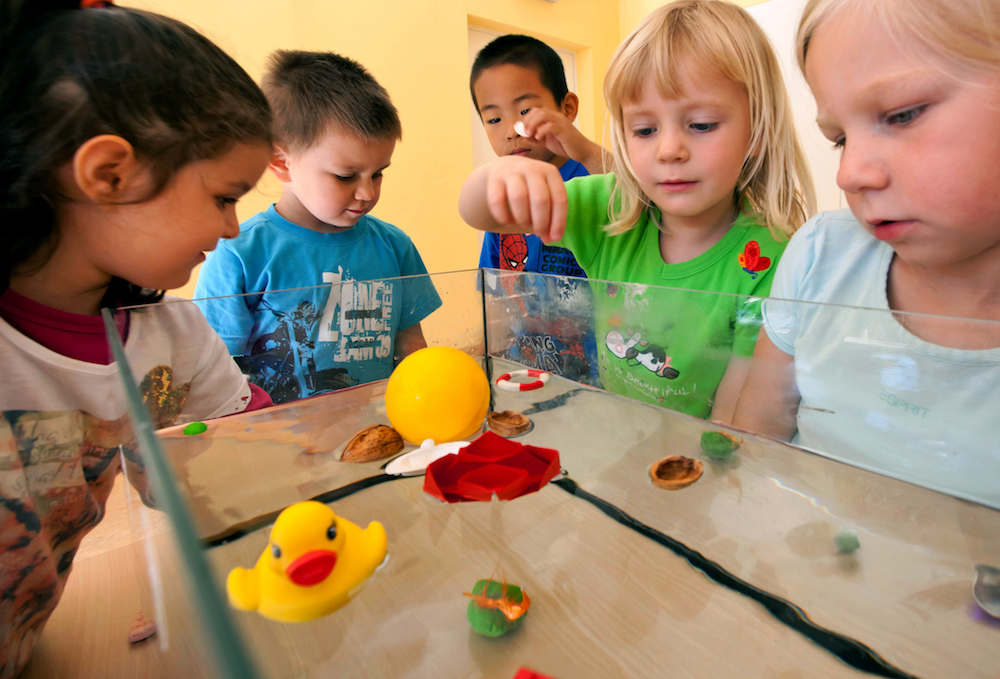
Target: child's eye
492 121
906 116
525 111
704 127
225 201
643 131
377 175
839 143
344 179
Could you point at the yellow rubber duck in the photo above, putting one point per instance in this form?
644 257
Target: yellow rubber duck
314 563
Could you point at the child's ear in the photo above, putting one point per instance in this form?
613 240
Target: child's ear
106 170
279 164
570 106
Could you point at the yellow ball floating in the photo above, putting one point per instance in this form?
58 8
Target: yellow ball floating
437 393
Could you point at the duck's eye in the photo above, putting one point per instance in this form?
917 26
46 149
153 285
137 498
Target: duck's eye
276 551
331 532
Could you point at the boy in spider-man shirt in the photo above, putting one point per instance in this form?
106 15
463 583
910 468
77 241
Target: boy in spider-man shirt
517 78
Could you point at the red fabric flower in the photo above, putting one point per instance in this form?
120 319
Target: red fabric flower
491 464
525 673
751 261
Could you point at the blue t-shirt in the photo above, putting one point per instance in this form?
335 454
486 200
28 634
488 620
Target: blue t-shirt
297 342
527 252
874 394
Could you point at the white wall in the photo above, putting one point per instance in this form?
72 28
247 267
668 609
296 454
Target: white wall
780 20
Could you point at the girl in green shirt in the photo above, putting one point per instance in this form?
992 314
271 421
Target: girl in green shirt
709 182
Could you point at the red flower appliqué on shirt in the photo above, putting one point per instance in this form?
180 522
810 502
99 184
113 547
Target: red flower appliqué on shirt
751 261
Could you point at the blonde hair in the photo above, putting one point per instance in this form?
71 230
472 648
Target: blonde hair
966 32
775 184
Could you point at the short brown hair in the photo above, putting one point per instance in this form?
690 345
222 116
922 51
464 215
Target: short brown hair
311 91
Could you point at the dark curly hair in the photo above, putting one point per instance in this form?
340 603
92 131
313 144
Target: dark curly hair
70 74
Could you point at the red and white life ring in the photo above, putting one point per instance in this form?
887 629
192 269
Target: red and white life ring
505 381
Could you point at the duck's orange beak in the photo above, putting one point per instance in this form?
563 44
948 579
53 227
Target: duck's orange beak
312 567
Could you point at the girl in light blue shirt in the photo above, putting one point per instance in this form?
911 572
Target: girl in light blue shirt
904 386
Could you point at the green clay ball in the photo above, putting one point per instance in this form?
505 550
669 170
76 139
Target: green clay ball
195 428
717 445
847 541
490 622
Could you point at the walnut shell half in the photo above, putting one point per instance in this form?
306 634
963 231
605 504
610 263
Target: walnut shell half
508 423
374 442
675 472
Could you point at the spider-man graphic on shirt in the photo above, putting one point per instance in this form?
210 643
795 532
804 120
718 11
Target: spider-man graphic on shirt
513 251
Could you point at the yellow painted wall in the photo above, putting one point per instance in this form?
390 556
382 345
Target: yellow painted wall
418 50
631 12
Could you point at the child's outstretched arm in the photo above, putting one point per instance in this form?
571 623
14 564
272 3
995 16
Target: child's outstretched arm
558 134
770 398
515 195
407 341
728 393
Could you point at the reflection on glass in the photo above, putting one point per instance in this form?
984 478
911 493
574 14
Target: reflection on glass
603 548
869 391
296 343
864 387
551 324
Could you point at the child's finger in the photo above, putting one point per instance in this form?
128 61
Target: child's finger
553 136
496 200
544 130
517 200
532 120
540 203
560 207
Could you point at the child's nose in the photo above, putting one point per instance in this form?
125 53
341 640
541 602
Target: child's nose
511 132
231 228
671 148
365 190
859 169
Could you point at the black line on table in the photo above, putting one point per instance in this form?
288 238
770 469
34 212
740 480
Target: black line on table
553 403
852 652
255 524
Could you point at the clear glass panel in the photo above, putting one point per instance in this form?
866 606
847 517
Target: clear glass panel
777 561
298 343
191 605
74 535
543 322
907 395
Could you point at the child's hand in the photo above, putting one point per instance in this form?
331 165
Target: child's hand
516 195
560 137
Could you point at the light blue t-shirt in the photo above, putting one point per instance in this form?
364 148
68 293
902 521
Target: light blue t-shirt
295 343
874 394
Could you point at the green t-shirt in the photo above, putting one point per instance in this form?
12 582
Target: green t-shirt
670 344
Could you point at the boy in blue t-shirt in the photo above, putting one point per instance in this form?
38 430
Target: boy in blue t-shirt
335 130
518 79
